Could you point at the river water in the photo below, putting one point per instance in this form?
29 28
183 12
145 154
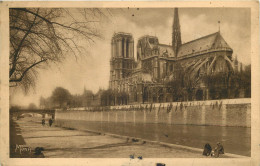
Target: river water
236 140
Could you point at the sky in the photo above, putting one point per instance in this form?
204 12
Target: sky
91 69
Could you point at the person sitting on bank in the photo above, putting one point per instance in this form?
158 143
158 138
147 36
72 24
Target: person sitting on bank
38 152
207 149
218 150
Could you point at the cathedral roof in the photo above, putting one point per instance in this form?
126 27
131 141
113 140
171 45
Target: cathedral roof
166 49
211 41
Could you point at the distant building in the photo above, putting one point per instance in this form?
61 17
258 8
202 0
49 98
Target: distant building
147 78
96 100
88 98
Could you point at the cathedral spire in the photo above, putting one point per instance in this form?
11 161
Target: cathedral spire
176 32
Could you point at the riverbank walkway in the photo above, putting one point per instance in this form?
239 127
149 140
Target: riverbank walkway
60 142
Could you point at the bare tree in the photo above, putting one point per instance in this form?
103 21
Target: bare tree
39 36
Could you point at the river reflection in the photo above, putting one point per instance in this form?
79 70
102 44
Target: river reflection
236 140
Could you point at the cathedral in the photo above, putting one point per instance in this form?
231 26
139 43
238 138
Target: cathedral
153 75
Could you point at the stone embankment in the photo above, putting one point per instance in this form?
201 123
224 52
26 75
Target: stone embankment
228 112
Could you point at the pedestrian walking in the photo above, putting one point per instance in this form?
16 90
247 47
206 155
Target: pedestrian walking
50 122
43 122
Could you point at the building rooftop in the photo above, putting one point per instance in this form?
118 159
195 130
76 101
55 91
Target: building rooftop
122 33
210 41
166 49
147 36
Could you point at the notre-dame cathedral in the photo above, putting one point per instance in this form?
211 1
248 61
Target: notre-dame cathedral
147 78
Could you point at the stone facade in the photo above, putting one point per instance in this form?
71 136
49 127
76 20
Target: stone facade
145 79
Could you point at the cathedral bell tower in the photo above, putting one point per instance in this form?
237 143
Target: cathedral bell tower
176 33
122 58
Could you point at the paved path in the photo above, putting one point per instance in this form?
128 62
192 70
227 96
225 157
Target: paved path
68 143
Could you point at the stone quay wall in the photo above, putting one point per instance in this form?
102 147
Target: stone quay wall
228 112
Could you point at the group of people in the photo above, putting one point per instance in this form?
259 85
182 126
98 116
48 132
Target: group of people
216 105
208 151
50 122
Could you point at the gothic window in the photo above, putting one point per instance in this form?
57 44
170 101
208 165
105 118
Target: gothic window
116 48
127 48
123 43
123 65
151 40
114 65
118 75
135 94
138 56
171 68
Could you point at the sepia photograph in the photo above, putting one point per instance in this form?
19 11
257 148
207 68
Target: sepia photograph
130 82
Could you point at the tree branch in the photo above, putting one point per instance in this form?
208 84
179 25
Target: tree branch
19 47
24 73
35 14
